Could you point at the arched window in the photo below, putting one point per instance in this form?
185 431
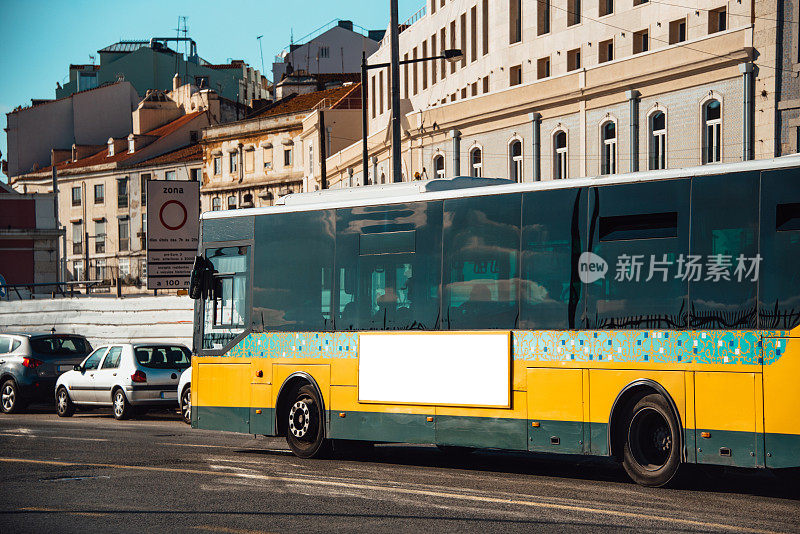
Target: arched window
560 155
608 149
475 163
658 141
231 202
438 166
216 204
247 202
515 160
712 132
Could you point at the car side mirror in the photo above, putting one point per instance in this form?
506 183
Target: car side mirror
77 367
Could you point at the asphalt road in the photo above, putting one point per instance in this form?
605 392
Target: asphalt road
92 473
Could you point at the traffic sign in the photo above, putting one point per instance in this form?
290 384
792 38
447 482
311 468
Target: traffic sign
3 290
173 227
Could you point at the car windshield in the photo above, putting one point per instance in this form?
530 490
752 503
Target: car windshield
60 345
163 357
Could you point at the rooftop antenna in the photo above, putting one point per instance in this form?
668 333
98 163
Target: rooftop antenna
262 52
91 58
186 50
177 43
291 46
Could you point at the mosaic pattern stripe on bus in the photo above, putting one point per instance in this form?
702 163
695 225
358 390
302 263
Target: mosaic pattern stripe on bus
297 345
654 346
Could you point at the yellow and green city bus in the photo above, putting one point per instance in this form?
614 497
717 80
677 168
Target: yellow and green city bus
650 317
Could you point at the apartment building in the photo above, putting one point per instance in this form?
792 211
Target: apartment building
102 202
551 89
150 64
333 48
280 150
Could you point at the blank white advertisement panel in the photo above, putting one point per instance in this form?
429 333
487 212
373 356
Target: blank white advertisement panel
442 369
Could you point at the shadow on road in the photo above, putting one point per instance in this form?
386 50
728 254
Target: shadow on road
765 483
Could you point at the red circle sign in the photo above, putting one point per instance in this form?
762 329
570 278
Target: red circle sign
171 215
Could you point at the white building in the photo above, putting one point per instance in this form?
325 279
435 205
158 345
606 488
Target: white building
562 88
334 48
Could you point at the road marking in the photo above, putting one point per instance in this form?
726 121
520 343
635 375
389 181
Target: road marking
211 528
82 514
242 449
409 491
50 437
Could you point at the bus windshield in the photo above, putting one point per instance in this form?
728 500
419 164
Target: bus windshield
225 308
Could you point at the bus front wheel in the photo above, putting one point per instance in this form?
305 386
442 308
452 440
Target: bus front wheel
651 456
305 428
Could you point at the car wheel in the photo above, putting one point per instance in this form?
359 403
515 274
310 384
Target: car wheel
186 405
64 405
10 401
122 408
305 429
651 455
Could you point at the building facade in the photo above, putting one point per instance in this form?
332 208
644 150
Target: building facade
102 192
551 89
28 244
86 118
334 48
282 150
151 65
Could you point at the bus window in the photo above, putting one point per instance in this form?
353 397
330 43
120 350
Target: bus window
294 280
724 242
779 277
553 237
388 260
225 309
641 231
481 256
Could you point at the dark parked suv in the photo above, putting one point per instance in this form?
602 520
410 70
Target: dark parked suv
31 363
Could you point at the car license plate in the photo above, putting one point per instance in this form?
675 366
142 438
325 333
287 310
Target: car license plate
65 368
169 394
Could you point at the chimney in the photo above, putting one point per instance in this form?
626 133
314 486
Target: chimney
176 82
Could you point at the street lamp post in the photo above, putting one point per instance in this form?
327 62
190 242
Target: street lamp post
451 55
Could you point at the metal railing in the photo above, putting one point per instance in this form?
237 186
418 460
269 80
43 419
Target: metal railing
65 289
416 16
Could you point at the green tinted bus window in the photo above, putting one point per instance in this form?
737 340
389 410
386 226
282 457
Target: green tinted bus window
724 241
553 238
294 268
779 277
388 264
481 262
641 231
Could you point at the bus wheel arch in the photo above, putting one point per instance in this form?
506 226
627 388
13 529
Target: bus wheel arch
293 383
645 433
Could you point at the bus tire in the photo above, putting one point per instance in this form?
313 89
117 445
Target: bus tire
305 424
651 454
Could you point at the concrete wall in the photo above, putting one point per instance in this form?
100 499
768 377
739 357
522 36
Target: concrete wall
87 118
104 320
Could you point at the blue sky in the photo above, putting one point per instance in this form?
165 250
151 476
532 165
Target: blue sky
39 39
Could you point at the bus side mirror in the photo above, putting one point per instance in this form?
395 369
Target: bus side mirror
200 281
196 280
216 288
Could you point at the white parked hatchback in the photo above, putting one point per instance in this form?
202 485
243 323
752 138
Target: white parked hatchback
124 376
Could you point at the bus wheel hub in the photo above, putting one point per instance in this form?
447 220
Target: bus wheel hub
299 419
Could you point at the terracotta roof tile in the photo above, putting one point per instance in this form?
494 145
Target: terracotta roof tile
102 158
307 102
181 155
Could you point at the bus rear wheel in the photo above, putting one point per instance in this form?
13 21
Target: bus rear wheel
651 455
305 428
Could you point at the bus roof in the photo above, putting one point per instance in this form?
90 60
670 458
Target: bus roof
439 189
